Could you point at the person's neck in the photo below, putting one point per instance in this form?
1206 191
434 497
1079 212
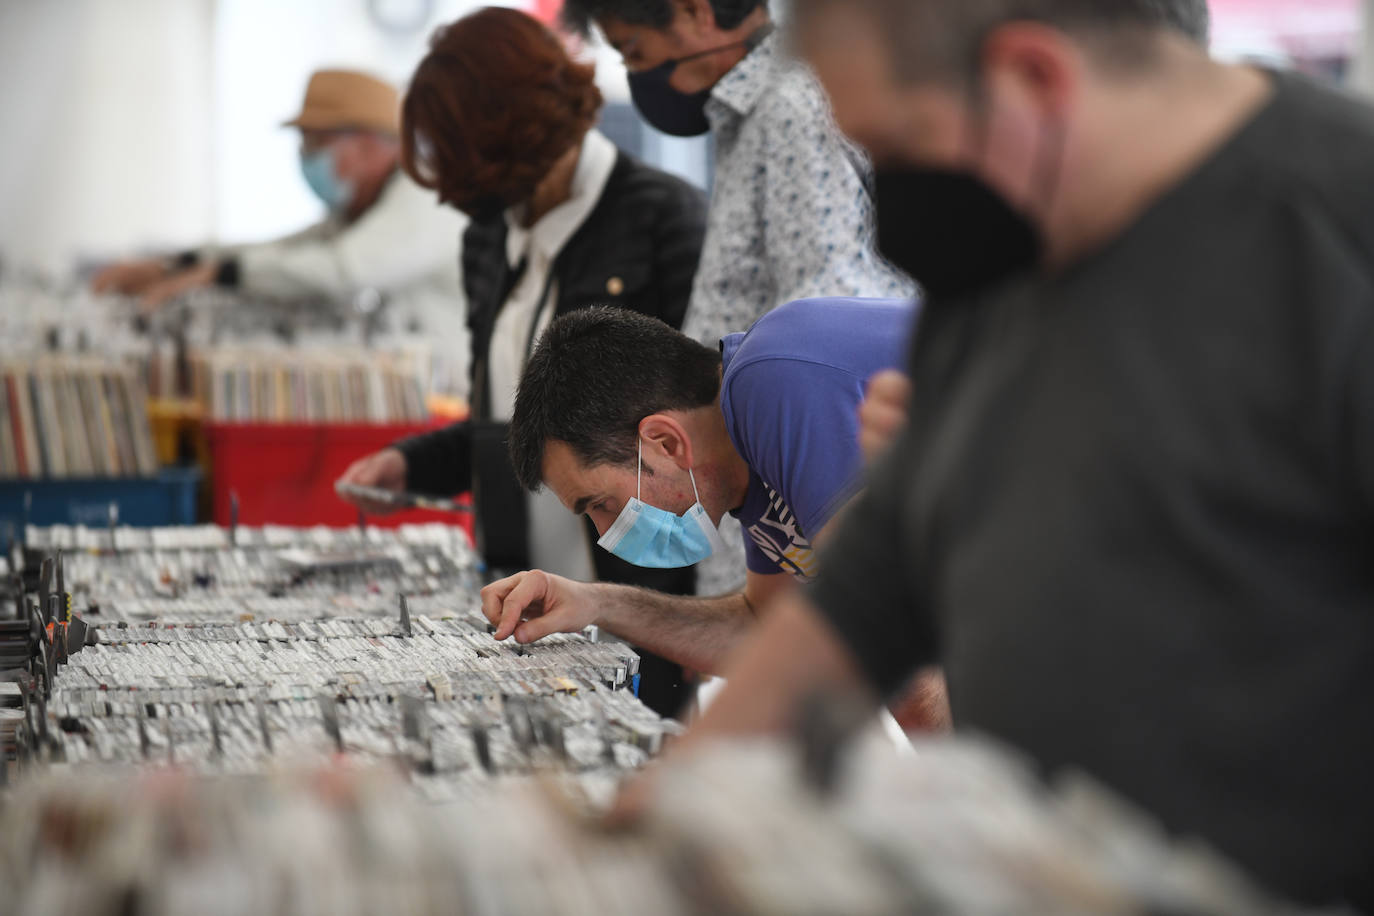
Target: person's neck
366 191
716 459
556 187
1146 139
727 60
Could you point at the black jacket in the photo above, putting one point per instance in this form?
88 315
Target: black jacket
638 249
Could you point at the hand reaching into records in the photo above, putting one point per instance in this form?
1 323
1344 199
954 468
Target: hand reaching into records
130 277
545 602
198 277
384 470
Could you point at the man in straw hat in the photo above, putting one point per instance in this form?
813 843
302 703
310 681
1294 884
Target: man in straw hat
381 231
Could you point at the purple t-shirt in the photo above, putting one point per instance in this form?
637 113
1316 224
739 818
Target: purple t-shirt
790 394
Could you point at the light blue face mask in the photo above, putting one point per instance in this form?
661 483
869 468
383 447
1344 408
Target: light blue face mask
318 169
656 538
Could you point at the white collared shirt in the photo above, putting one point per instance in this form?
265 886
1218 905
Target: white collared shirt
558 541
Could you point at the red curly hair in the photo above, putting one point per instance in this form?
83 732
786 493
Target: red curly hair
493 105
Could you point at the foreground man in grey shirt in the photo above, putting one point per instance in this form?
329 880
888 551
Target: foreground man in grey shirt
1133 511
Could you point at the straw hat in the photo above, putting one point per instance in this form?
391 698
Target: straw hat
343 99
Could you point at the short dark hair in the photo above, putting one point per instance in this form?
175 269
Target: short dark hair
594 375
493 105
578 15
940 39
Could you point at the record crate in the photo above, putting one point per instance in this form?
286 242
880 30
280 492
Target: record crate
284 474
165 498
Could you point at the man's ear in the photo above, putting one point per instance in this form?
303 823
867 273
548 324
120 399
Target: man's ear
665 438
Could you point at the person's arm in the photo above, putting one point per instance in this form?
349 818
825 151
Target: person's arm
438 463
1360 407
699 633
404 236
818 214
793 654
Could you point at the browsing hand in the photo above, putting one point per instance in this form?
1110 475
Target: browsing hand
384 470
130 276
198 277
883 412
547 604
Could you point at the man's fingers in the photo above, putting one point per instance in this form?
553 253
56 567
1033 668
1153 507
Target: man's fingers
543 625
494 595
891 387
356 473
531 588
631 802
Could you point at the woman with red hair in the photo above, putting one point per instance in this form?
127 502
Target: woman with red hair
499 121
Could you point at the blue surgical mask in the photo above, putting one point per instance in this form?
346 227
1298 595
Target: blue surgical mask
656 538
318 169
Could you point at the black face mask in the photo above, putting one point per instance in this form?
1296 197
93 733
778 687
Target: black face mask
676 113
951 232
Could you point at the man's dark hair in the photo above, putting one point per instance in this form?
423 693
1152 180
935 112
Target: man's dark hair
594 375
941 39
578 15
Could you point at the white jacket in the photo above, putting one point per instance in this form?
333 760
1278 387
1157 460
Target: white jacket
407 246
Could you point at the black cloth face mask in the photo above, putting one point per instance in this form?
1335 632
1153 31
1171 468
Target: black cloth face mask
953 233
679 114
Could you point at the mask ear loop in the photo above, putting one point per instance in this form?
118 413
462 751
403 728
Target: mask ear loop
693 478
639 471
1048 166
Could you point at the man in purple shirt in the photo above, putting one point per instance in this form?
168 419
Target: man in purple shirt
637 425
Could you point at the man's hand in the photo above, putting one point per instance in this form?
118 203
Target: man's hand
197 277
128 277
883 412
924 705
384 470
547 604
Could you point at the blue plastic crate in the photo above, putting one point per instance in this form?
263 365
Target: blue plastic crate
167 499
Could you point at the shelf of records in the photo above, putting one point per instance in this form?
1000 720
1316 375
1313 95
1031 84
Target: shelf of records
957 829
324 386
292 721
66 417
297 644
246 360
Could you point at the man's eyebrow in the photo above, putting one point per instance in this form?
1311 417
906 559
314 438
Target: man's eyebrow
580 506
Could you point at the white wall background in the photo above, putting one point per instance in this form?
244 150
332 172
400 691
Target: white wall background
104 125
138 125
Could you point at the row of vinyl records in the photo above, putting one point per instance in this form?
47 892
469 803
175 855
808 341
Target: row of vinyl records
69 417
327 386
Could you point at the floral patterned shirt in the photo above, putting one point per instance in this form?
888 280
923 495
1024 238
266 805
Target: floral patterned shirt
791 213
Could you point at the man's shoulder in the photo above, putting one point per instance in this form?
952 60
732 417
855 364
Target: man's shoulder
819 331
1315 153
793 97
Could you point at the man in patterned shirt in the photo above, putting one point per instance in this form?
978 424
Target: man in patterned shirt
791 215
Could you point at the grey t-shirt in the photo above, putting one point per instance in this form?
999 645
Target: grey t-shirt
1133 514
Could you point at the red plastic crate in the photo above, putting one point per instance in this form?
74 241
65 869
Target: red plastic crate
284 474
